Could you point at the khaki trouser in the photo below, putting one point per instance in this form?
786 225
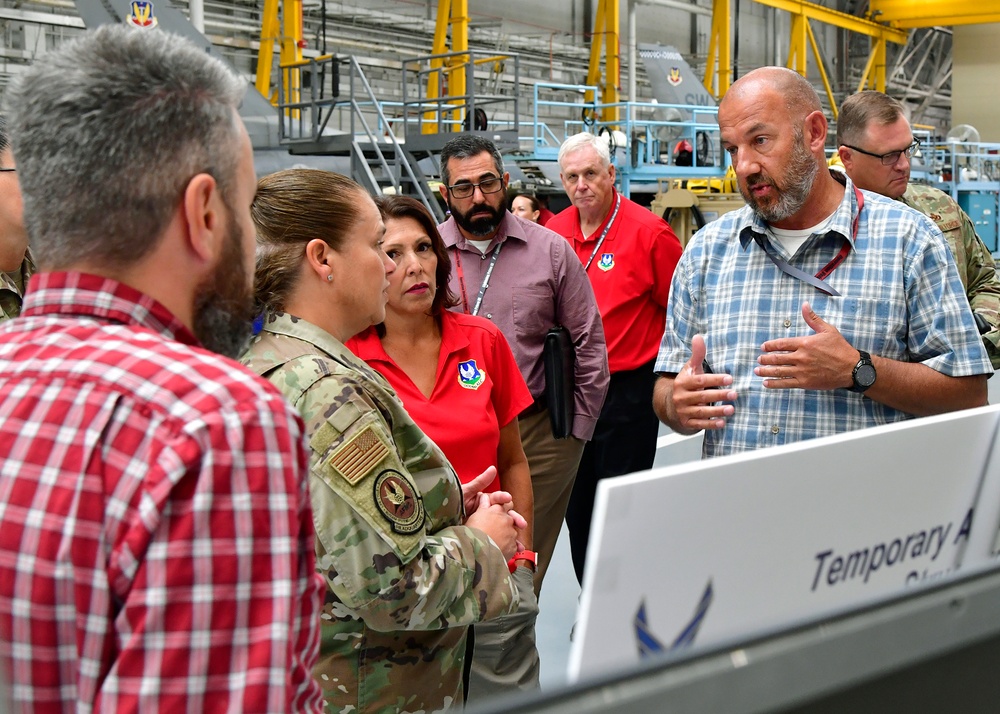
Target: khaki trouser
553 463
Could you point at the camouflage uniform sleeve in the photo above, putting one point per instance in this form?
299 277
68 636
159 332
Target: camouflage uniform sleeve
10 297
375 549
983 286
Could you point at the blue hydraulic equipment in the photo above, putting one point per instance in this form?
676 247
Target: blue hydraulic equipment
966 169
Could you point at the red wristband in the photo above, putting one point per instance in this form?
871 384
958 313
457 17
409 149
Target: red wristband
529 555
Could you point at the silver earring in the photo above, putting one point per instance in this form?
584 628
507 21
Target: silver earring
329 278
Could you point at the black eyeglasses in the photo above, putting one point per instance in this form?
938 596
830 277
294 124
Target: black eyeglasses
6 170
465 190
892 157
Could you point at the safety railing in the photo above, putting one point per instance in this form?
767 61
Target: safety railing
306 120
445 93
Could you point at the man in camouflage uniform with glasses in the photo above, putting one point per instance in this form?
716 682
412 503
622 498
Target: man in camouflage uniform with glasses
877 123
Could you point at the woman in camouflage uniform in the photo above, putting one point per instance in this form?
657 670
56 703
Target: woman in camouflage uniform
407 571
458 379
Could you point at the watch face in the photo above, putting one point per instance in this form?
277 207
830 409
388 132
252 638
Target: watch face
865 376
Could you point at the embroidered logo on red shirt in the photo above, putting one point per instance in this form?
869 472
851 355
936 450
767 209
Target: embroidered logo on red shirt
469 375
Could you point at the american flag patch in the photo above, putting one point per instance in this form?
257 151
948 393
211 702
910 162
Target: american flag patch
360 455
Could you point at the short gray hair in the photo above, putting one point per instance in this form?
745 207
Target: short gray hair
465 146
108 130
583 140
4 134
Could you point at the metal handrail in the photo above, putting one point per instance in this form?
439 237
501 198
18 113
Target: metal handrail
447 104
359 86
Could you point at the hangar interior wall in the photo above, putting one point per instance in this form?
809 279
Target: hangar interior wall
974 79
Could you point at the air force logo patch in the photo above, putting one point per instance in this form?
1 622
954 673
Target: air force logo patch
141 15
469 375
607 261
398 502
674 77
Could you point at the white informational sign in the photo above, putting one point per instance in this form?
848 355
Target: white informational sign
702 553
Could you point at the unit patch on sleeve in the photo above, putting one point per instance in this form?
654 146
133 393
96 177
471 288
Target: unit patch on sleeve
356 458
398 502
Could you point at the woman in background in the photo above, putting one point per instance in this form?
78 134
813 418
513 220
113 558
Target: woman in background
405 576
526 206
458 380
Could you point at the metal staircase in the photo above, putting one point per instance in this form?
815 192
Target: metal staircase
317 119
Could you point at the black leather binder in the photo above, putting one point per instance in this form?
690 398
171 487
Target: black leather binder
560 379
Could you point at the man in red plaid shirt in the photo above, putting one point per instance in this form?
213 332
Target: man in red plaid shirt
156 542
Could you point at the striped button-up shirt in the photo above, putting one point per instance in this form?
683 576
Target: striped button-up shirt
900 298
156 539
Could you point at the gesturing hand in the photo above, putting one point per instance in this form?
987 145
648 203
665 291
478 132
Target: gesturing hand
697 396
823 360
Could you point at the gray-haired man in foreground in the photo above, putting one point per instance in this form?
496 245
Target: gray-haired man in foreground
157 547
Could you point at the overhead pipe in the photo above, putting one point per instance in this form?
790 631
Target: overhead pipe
678 5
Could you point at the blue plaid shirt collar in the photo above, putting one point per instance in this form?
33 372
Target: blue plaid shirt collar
752 227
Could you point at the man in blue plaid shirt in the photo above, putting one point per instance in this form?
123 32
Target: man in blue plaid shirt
817 309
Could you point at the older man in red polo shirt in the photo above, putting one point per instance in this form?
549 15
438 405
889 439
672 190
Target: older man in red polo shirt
629 255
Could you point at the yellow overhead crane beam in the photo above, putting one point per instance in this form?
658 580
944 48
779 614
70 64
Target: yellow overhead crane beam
928 13
802 35
607 27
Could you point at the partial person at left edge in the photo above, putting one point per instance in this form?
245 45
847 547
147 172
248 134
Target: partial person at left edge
156 552
16 266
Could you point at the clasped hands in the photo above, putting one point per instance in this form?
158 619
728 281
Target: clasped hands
493 513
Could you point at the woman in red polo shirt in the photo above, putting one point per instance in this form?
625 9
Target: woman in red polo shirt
458 380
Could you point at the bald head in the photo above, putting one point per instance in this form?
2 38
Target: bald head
772 126
789 88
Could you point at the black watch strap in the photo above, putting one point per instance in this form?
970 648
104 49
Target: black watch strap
864 374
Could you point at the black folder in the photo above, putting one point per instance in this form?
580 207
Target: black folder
560 379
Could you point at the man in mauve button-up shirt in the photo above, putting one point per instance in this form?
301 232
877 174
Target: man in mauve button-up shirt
536 283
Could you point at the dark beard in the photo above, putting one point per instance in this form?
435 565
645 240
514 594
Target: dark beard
481 225
801 173
223 303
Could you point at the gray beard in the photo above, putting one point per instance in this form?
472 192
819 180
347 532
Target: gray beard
802 173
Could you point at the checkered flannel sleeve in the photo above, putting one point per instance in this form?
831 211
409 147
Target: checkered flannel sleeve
176 573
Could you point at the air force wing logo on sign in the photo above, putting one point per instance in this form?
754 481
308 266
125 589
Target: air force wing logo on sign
141 15
649 644
607 261
469 375
674 76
